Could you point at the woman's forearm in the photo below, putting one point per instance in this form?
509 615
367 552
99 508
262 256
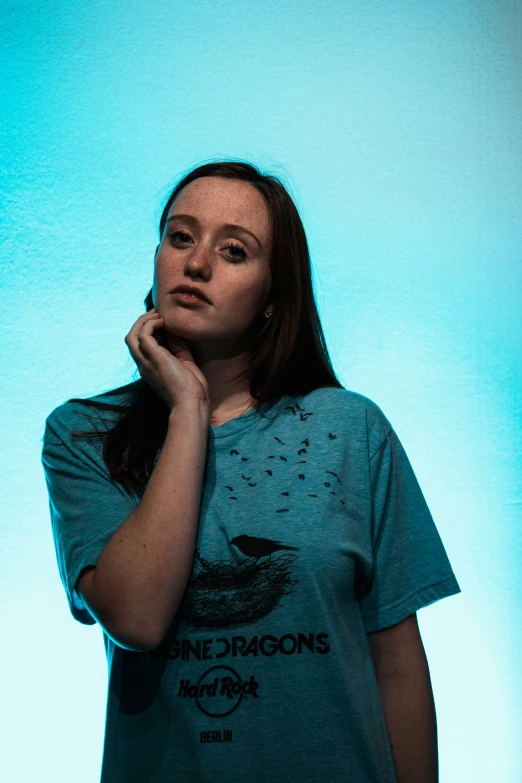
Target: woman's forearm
141 574
409 713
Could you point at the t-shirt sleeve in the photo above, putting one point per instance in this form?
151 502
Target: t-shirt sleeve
410 567
86 505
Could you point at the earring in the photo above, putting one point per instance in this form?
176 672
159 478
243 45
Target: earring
267 313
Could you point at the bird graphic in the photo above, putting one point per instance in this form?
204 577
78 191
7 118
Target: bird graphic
251 546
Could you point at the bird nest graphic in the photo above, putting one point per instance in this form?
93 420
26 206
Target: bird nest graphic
222 594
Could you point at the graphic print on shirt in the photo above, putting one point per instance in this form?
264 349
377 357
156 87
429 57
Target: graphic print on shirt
222 594
239 591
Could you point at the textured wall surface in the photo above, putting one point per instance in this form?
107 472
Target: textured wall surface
397 127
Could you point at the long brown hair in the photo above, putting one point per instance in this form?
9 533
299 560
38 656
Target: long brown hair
288 353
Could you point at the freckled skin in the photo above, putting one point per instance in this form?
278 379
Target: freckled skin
216 333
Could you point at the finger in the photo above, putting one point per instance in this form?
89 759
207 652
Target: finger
136 326
131 339
146 317
147 343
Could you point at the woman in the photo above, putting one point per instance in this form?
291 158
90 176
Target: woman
249 534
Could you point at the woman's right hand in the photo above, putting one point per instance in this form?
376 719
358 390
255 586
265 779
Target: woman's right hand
173 374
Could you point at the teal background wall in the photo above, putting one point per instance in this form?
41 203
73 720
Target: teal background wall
397 128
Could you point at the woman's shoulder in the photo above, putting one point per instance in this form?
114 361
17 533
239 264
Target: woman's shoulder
358 411
348 399
84 412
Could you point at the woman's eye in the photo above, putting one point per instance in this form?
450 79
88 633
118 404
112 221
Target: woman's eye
178 234
242 254
240 257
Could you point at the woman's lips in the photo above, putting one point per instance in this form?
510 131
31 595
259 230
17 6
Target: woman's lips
183 298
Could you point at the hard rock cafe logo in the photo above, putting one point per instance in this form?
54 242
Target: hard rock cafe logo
219 691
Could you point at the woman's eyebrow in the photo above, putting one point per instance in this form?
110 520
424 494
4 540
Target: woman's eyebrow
225 225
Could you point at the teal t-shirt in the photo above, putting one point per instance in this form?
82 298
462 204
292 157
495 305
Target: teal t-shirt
313 531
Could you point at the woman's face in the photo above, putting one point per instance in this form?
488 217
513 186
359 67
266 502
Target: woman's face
196 250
